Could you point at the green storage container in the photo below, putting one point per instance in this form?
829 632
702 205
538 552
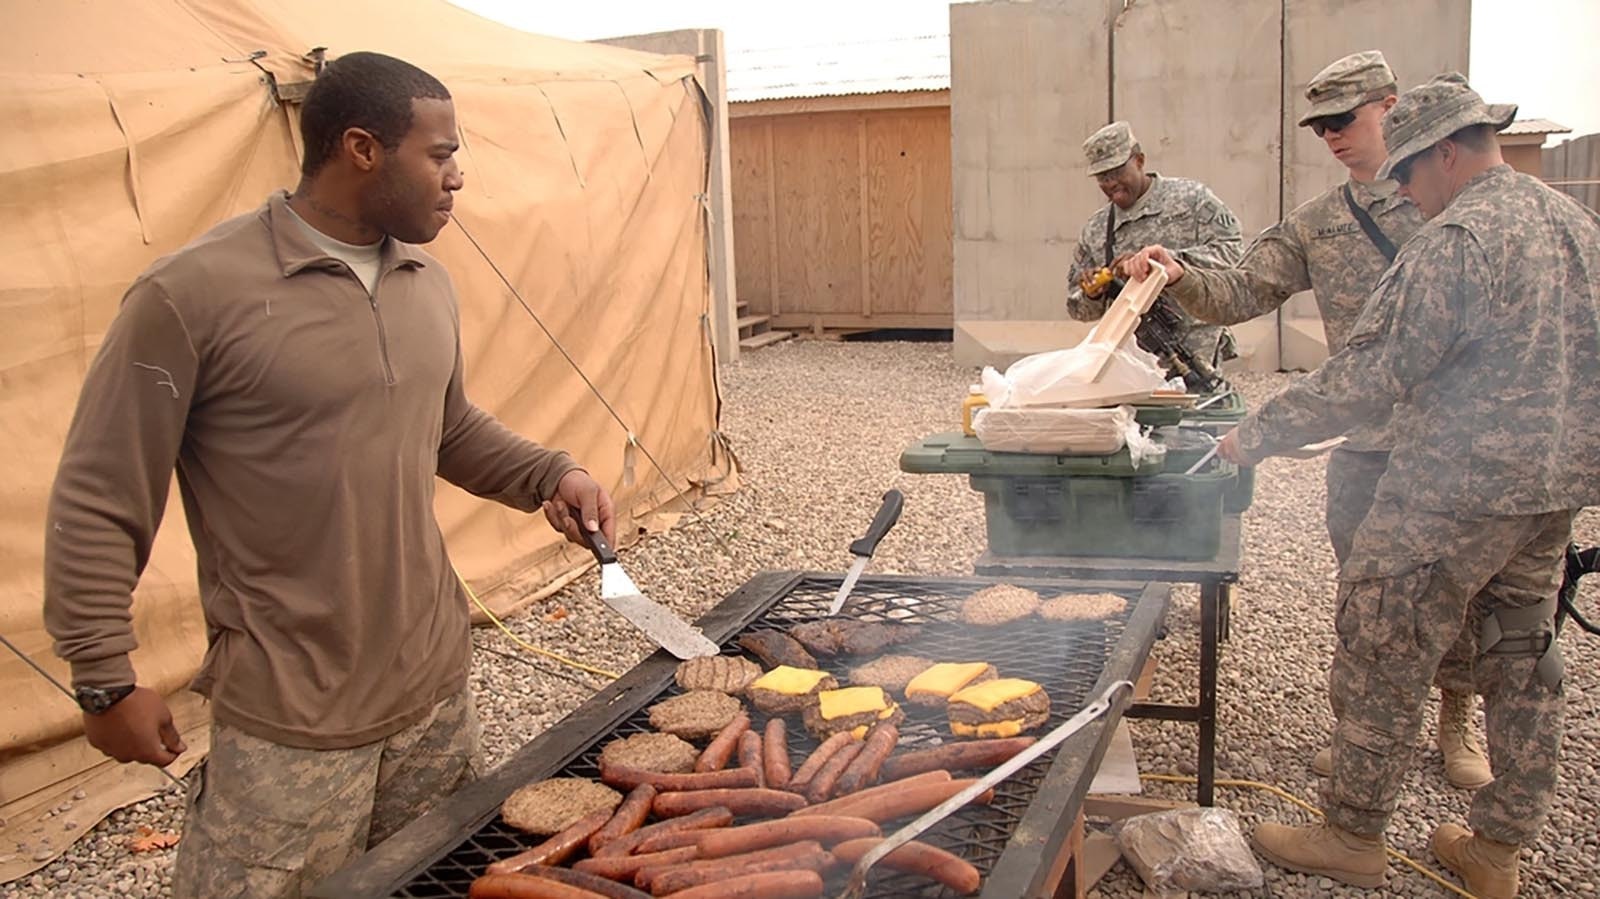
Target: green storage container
1185 445
1043 505
1157 416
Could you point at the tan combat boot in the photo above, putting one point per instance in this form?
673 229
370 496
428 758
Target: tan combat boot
1487 868
1322 762
1326 851
1464 763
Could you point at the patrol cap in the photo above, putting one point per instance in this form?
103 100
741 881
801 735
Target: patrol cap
1431 112
1109 147
1346 83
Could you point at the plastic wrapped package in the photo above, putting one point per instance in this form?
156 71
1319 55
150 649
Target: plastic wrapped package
1189 850
1063 432
1065 378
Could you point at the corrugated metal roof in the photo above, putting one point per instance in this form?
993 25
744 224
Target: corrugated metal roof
919 63
1535 126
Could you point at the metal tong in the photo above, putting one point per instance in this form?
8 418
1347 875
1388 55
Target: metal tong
1099 706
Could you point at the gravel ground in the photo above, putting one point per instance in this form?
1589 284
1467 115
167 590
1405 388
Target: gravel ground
819 427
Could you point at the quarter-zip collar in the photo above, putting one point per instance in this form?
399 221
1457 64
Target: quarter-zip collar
296 252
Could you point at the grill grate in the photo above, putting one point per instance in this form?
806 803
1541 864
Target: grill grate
1065 657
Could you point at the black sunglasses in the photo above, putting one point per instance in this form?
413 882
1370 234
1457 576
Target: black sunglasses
1335 123
1401 172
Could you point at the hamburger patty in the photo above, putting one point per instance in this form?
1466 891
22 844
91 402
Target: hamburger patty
999 604
550 806
845 636
1083 607
651 752
696 714
724 674
776 648
1033 710
891 672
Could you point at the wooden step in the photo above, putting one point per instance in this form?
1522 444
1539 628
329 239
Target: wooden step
741 307
752 324
764 338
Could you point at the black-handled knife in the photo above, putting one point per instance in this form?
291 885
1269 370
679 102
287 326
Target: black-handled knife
863 548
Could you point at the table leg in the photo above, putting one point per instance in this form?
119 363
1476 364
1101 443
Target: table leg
1210 599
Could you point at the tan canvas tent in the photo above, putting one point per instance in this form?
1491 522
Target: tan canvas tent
133 125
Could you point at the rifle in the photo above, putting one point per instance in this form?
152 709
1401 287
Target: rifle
1161 332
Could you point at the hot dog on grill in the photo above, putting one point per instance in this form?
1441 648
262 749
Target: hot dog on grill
556 849
752 837
722 746
913 800
863 769
526 886
664 841
594 884
629 817
750 755
917 858
955 757
819 757
701 820
771 885
806 856
775 754
623 867
827 777
870 795
751 801
628 778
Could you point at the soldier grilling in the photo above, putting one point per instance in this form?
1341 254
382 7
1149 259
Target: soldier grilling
1484 338
1147 208
1338 245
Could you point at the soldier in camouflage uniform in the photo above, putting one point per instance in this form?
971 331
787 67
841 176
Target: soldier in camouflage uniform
1322 246
1147 208
1484 338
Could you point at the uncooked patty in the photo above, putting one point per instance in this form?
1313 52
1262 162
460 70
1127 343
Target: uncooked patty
999 604
694 715
1083 607
724 674
891 672
550 806
651 752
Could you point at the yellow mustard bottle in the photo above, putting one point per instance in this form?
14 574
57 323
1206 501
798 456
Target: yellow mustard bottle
969 407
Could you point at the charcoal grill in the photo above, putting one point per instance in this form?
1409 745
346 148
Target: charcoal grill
1017 841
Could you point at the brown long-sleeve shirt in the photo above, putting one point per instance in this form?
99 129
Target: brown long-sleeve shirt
307 420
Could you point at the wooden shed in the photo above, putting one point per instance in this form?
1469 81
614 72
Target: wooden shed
1521 144
841 187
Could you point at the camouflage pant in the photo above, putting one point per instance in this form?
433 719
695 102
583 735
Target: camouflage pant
1413 581
267 821
1352 481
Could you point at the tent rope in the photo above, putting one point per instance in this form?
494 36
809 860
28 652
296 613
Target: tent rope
632 438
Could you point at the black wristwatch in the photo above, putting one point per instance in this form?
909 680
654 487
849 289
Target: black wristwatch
99 700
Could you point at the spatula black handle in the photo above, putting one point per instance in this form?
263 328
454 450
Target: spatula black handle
599 545
888 514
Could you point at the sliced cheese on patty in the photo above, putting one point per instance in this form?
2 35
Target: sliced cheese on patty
853 701
992 694
945 678
789 681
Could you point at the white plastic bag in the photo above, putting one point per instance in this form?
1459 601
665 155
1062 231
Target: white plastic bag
1063 378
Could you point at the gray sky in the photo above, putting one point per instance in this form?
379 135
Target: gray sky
1540 54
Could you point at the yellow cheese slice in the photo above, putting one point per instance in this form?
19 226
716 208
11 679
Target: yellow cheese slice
986 696
852 701
945 678
995 729
790 681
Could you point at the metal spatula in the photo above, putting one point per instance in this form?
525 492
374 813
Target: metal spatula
658 622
